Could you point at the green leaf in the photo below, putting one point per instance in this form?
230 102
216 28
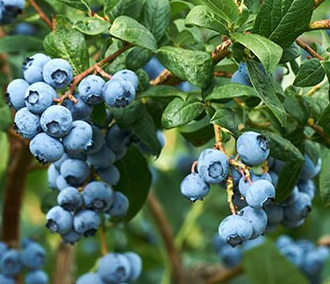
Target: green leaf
324 120
193 66
290 53
91 26
163 91
78 4
137 58
201 16
266 91
5 115
180 112
109 5
230 91
179 7
19 43
130 30
135 180
326 66
324 178
310 73
130 8
226 9
127 117
265 264
268 52
99 114
68 44
226 118
199 137
282 21
156 17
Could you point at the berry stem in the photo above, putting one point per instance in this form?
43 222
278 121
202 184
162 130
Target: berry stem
104 74
230 194
41 13
193 167
221 51
318 129
319 25
218 142
103 240
306 47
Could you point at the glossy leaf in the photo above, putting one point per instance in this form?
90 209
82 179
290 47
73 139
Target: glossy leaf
226 118
226 9
78 4
91 26
229 91
325 178
310 73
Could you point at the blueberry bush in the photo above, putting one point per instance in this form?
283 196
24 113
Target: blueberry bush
164 141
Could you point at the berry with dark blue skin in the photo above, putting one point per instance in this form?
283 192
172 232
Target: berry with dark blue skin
56 121
128 75
3 248
309 169
275 213
274 177
118 140
136 265
75 171
90 89
194 187
86 222
46 149
110 175
98 140
187 87
298 209
57 73
292 224
153 67
59 220
24 29
15 93
283 241
39 96
33 66
120 205
114 268
260 193
79 110
36 277
258 219
308 187
102 159
6 280
292 252
118 93
90 278
70 199
239 78
244 184
98 196
61 183
79 138
33 256
250 244
10 263
52 174
71 238
230 256
235 229
213 166
27 123
9 10
291 198
252 148
238 200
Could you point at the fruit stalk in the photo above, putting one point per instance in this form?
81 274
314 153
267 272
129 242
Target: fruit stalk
306 47
41 13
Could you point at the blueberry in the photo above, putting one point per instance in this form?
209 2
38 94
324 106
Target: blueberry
3 248
194 187
238 199
71 238
61 183
98 196
136 265
218 243
90 89
52 174
309 169
98 140
293 252
239 78
283 240
230 256
15 93
244 184
6 280
274 177
213 166
250 244
27 123
70 199
39 96
127 75
308 187
10 263
253 148
114 268
110 175
90 278
102 159
46 149
36 277
298 209
236 175
118 93
187 87
33 256
260 193
79 138
153 67
33 66
59 220
235 229
86 222
120 205
79 110
275 213
292 224
24 29
258 219
118 140
57 73
75 171
291 198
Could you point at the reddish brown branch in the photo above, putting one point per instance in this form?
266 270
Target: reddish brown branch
221 51
41 13
318 129
320 25
306 47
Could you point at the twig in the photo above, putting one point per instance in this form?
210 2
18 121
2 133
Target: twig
164 76
318 129
324 241
318 3
224 74
306 47
168 238
41 13
319 25
225 275
230 194
221 51
64 264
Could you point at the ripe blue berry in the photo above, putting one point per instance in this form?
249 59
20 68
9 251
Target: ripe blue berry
118 93
75 171
71 238
98 140
110 175
86 222
128 75
25 29
253 148
244 184
120 205
260 193
90 278
153 67
275 213
33 66
308 187
118 140
90 89
298 209
98 196
79 110
136 265
309 169
10 263
59 220
16 92
33 256
61 183
52 174
57 73
213 166
258 219
194 187
6 280
230 256
27 123
36 277
102 159
239 78
70 199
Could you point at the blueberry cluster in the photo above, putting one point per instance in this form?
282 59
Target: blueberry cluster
241 76
13 262
293 211
309 258
9 9
58 129
115 268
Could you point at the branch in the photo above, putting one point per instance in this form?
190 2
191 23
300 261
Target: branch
221 51
167 234
319 25
306 47
224 275
64 264
318 129
318 3
41 13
